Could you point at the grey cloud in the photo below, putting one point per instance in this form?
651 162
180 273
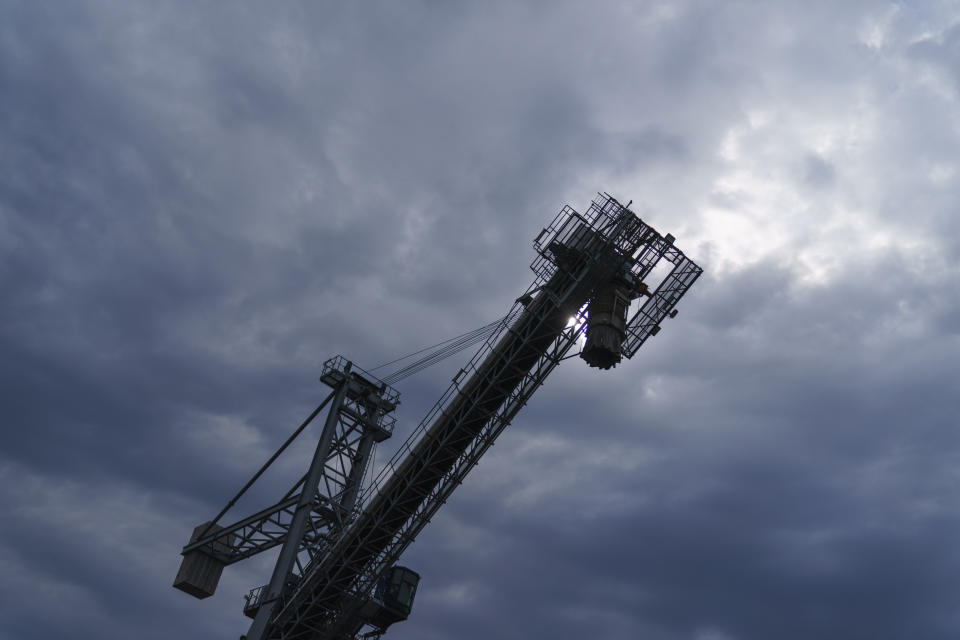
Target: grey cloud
817 171
942 50
199 205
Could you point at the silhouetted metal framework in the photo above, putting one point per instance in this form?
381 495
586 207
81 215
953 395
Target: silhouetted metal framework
607 248
324 499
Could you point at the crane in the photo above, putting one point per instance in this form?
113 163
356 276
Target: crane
336 575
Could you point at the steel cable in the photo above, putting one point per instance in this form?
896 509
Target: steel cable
442 350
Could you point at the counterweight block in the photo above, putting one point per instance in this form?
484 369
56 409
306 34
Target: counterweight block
199 571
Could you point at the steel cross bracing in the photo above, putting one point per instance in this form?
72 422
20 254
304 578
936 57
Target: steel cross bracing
259 532
646 321
332 552
438 463
577 252
359 419
647 246
267 528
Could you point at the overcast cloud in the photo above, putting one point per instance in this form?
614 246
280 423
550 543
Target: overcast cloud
201 202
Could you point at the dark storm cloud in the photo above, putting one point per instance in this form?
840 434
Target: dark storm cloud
804 484
199 204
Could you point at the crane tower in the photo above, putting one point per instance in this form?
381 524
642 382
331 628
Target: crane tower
336 575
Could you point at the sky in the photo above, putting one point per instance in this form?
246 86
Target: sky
201 202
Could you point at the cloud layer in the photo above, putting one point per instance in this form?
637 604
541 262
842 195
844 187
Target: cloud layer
201 203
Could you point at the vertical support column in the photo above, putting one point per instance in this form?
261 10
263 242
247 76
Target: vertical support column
298 525
357 469
371 435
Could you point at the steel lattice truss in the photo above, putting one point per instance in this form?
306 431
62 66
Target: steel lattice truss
339 537
576 253
362 418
